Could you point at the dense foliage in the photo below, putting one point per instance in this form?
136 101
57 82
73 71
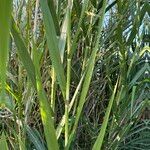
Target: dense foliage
75 74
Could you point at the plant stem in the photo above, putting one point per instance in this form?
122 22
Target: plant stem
68 74
53 90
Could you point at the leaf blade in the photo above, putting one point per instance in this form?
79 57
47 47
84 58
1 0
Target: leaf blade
52 42
5 21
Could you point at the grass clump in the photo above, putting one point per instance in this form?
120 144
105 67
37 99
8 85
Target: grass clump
74 74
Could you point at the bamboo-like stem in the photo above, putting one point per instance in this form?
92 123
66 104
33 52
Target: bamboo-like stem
53 90
67 102
68 74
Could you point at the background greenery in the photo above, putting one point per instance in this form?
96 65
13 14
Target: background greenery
75 74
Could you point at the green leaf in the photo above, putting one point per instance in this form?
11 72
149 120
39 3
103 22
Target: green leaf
63 36
137 22
5 20
3 142
23 52
45 109
138 74
35 139
52 9
132 98
81 19
52 42
100 138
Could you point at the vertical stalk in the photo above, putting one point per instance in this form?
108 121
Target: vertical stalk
68 73
28 11
35 20
53 89
132 99
20 86
67 102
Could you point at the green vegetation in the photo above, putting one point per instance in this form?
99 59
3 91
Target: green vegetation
74 74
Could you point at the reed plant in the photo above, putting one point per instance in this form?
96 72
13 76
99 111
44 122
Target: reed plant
74 74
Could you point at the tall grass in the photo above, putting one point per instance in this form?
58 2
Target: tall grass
74 74
5 16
